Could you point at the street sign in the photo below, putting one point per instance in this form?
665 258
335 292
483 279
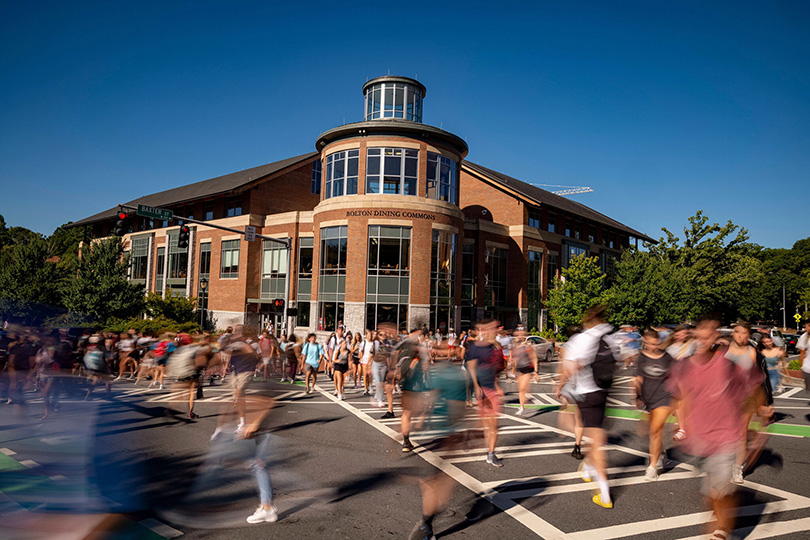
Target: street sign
154 212
250 233
797 317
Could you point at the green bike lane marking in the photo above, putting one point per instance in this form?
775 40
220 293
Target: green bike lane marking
629 414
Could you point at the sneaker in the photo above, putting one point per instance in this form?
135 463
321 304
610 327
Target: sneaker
264 516
665 463
340 397
422 531
380 404
283 379
118 378
584 471
387 415
577 452
493 460
239 427
737 474
407 446
130 377
651 475
520 412
193 416
598 500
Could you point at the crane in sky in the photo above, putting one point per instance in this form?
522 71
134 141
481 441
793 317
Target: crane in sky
570 190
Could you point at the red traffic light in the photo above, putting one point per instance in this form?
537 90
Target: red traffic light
185 229
122 215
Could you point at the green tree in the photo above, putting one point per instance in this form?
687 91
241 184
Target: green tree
579 287
98 288
29 283
175 307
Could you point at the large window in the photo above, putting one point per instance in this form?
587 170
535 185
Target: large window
341 173
205 272
274 270
441 178
534 218
391 170
160 268
495 267
178 261
304 280
138 259
553 265
393 100
388 280
534 296
332 276
442 280
316 176
573 251
229 267
233 207
468 315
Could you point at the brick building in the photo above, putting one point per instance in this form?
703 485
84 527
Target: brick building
388 222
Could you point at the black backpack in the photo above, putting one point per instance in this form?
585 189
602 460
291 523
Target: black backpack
604 365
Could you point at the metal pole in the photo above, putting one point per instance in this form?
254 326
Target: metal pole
202 316
287 284
784 309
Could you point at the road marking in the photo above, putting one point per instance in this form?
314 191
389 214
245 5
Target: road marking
466 451
527 518
560 477
160 528
7 452
508 455
766 530
587 486
29 463
790 393
617 402
549 399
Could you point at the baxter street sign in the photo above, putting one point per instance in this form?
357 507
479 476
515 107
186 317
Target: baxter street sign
154 212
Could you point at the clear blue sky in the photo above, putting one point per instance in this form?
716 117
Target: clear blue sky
664 108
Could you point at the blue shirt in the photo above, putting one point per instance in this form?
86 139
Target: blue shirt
312 353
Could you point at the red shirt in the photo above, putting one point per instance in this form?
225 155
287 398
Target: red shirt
712 395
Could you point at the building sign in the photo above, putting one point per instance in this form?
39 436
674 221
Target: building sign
391 213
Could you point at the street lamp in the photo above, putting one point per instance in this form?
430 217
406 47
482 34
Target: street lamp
203 288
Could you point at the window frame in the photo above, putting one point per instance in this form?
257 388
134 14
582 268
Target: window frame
231 271
346 159
435 185
384 154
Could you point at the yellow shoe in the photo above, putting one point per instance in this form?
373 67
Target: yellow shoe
581 471
598 500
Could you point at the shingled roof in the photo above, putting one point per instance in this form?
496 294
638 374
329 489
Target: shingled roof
541 197
220 185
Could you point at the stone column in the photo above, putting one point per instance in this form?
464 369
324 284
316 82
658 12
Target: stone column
354 316
418 315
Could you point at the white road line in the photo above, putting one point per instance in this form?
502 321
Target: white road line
549 399
559 477
510 455
534 399
766 530
617 402
7 452
527 518
288 394
587 486
160 528
790 393
467 451
29 463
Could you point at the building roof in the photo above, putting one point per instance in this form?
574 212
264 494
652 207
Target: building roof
541 197
228 183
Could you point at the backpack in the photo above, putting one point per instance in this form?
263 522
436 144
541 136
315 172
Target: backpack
181 363
603 365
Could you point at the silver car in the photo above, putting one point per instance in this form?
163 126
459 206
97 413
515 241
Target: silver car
543 348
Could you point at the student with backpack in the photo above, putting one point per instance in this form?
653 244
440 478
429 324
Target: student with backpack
594 352
313 354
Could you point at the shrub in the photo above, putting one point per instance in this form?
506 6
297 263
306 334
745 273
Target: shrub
156 326
795 364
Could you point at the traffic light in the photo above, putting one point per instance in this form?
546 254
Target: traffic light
121 226
182 239
278 303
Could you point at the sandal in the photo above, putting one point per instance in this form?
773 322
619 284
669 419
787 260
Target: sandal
679 435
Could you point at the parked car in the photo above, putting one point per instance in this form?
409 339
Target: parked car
791 340
543 348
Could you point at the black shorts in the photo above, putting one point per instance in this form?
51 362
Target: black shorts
343 368
592 408
356 360
525 369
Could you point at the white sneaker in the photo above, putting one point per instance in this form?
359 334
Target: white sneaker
651 475
264 516
737 474
240 427
520 412
380 404
118 378
340 397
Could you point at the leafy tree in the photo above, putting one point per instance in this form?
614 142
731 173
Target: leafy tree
29 283
98 287
174 307
579 287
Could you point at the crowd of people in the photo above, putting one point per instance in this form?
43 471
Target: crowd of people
713 383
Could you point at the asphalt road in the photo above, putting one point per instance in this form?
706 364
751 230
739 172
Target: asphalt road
124 467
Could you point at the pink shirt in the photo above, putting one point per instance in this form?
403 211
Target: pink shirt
713 395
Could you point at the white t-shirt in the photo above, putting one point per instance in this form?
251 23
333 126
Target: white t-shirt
367 347
582 349
804 345
125 345
451 339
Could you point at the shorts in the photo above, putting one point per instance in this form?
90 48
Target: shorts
490 403
364 360
413 401
525 369
310 368
239 381
592 408
266 361
355 360
718 469
342 368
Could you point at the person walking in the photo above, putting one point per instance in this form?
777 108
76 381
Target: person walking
653 396
485 362
341 365
774 358
525 361
313 354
